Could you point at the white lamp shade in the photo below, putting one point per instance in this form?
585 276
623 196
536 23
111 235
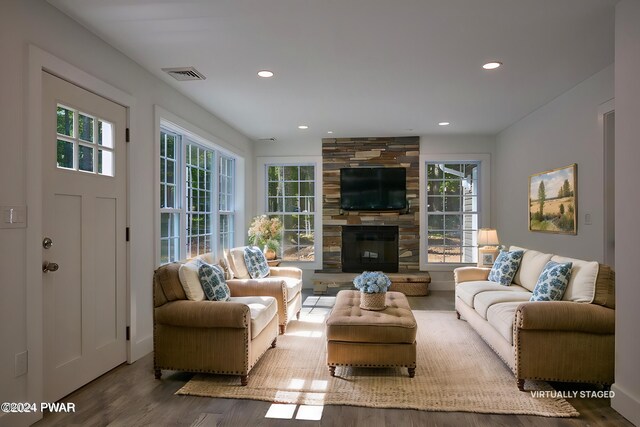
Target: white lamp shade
487 237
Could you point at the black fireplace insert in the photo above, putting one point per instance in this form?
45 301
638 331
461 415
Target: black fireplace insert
369 248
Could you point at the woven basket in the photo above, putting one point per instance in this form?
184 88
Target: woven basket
372 301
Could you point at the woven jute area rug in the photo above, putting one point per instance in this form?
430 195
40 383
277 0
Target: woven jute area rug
456 371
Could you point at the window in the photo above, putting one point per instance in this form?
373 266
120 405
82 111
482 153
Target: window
84 142
191 216
169 206
199 188
452 199
291 197
225 204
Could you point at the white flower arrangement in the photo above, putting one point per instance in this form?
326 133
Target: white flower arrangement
372 282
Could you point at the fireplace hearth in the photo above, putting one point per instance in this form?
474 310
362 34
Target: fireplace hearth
373 248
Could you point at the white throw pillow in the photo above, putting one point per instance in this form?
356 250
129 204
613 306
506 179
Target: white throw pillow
582 285
188 274
236 262
531 266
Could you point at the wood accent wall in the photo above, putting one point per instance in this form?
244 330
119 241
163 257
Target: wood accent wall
340 153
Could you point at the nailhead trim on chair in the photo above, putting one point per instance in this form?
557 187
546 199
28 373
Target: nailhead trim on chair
413 365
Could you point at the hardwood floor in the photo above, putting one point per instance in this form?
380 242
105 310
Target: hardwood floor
130 396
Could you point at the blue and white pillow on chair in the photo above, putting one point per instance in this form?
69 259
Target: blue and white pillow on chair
256 262
213 283
505 267
552 282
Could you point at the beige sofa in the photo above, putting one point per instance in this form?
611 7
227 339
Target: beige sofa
282 283
209 336
568 341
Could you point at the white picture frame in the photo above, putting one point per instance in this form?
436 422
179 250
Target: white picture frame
488 258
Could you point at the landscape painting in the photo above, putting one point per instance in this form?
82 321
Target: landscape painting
553 201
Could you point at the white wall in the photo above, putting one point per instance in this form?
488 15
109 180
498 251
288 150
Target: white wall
24 22
304 146
627 89
560 133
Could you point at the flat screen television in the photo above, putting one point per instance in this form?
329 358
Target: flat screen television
373 189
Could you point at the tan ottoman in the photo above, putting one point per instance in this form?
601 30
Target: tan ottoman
377 339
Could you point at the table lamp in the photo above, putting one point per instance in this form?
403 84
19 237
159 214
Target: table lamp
487 247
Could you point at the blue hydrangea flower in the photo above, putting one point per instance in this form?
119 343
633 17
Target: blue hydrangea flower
372 282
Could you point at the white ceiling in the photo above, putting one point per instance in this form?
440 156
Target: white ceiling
362 67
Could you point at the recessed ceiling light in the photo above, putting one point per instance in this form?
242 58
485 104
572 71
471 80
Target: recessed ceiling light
303 127
492 65
265 73
444 123
329 131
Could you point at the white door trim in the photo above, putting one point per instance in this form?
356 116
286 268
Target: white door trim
604 109
39 60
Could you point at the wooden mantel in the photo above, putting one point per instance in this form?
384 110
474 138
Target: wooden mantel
410 283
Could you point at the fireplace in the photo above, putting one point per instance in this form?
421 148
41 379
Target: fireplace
369 247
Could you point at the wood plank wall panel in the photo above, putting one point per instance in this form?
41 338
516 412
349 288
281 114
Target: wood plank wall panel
340 153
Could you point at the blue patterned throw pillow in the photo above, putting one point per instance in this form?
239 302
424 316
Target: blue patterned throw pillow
552 282
505 267
256 262
213 284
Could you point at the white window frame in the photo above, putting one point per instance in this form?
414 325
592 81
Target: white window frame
484 201
261 195
231 213
94 145
191 134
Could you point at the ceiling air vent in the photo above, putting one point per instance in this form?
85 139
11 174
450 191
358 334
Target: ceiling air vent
183 74
272 139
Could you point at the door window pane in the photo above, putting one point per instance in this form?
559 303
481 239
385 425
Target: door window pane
85 158
65 121
85 128
105 134
65 154
105 162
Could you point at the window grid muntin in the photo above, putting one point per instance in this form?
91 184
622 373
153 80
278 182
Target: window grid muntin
182 157
170 248
298 223
169 236
199 202
77 142
226 189
466 250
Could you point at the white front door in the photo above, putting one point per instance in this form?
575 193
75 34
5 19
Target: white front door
84 218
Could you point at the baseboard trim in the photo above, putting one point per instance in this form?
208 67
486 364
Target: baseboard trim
626 404
141 348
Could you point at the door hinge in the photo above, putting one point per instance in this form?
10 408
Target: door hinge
127 234
127 135
128 333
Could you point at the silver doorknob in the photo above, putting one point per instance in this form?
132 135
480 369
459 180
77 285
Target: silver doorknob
49 266
47 243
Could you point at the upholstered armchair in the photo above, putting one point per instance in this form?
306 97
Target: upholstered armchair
282 283
219 337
